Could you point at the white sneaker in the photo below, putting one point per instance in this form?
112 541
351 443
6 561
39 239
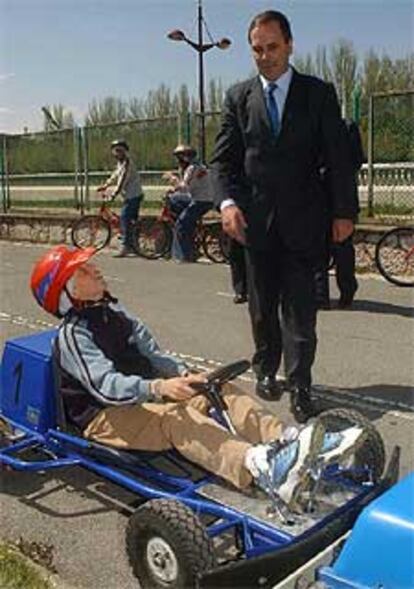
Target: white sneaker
338 446
285 471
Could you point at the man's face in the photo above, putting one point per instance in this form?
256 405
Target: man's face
88 283
119 153
270 50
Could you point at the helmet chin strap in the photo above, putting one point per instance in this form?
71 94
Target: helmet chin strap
80 304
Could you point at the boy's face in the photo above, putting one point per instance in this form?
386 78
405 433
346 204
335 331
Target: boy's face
119 153
88 283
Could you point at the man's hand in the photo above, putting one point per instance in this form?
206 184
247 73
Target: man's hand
342 229
234 223
179 388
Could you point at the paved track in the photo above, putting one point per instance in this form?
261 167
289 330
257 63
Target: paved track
365 360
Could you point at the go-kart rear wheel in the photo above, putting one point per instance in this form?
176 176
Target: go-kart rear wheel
372 452
167 545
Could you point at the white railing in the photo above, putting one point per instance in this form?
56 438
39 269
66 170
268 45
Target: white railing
396 174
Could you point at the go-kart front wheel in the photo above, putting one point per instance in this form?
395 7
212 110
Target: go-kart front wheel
167 545
371 454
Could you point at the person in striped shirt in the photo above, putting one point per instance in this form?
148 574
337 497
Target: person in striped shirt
125 181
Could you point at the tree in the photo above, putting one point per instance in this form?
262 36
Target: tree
343 66
108 110
63 117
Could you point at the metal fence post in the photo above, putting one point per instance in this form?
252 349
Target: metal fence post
370 156
6 173
86 167
188 128
3 178
76 162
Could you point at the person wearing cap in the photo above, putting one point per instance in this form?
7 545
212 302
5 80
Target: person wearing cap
121 390
190 198
126 182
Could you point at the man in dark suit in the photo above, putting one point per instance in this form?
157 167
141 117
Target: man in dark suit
276 130
342 254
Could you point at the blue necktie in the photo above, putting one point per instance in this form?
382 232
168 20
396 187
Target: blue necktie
272 109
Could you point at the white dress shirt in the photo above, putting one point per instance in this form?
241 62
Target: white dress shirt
280 94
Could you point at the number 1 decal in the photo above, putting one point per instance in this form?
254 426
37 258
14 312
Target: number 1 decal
18 373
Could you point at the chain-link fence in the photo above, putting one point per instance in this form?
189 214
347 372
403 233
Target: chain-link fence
41 168
61 169
387 182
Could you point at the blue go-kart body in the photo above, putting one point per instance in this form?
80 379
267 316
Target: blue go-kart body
267 550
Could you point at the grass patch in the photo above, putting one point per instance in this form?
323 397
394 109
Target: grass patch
16 571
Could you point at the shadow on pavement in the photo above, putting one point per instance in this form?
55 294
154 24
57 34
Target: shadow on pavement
370 400
46 493
381 307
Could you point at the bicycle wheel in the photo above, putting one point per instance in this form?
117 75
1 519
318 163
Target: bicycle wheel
154 238
394 256
91 230
212 243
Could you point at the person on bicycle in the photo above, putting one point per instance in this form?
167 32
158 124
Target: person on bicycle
190 198
126 182
120 389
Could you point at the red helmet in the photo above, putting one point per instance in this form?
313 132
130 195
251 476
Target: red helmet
52 272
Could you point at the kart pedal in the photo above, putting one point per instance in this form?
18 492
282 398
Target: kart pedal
278 508
315 474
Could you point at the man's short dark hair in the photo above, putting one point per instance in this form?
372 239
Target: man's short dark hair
272 16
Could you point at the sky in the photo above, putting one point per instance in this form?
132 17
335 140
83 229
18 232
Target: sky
71 51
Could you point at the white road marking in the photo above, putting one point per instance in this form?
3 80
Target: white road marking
225 294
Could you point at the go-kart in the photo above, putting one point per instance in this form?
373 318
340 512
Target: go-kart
191 529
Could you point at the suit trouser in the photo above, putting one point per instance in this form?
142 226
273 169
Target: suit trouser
344 256
238 268
344 260
188 428
282 308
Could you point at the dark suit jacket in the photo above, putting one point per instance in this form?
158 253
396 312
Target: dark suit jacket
276 181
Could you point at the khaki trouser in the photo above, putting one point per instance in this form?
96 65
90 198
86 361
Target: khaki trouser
187 428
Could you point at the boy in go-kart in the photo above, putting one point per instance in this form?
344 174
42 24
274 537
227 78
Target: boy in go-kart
121 390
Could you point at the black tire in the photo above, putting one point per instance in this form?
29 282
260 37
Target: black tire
372 452
394 256
154 238
212 243
91 230
167 529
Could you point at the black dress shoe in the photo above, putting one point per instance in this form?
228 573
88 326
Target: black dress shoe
345 301
239 299
323 305
267 388
301 404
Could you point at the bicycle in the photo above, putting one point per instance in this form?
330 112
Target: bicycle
394 256
97 230
156 235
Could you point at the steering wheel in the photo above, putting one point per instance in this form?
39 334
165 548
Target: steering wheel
217 378
212 388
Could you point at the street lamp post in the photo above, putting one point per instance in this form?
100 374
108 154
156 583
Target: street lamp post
201 48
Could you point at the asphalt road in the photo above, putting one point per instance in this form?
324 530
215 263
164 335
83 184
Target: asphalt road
365 360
